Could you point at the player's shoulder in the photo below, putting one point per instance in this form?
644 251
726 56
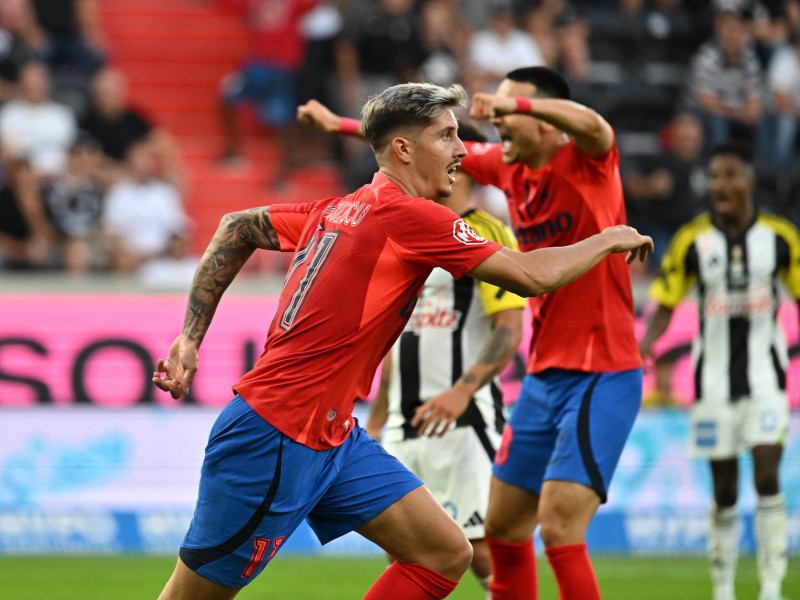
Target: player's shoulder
686 235
782 226
490 227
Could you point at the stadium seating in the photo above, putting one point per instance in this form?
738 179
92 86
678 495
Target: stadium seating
175 54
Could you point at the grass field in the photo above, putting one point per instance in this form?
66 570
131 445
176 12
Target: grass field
322 578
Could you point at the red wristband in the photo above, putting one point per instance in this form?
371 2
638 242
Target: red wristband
349 126
524 105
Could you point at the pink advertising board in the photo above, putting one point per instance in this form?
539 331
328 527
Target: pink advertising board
100 349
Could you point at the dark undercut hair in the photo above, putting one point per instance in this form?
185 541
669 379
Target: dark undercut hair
734 148
549 84
407 105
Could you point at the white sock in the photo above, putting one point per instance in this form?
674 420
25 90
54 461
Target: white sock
723 550
771 545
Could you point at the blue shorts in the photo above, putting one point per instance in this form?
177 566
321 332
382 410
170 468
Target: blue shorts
569 425
257 486
269 88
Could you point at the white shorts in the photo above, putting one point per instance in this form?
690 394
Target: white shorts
721 429
457 468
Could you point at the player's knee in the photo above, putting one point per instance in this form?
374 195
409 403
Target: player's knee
725 496
767 484
554 531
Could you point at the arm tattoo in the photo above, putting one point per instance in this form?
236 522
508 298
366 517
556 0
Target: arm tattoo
237 237
497 346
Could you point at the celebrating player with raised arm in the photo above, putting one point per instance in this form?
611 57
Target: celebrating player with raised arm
559 168
287 447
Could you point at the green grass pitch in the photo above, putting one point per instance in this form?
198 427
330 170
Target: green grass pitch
296 577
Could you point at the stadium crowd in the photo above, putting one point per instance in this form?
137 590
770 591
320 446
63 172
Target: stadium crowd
672 77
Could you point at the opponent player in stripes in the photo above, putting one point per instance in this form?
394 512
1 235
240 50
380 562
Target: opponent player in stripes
287 447
737 256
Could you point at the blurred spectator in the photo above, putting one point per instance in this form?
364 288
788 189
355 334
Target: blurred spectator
35 127
66 34
27 240
117 126
664 191
444 37
74 202
380 47
779 132
562 36
13 52
267 79
142 212
499 48
725 83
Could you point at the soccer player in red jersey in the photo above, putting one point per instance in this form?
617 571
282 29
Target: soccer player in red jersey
559 168
287 447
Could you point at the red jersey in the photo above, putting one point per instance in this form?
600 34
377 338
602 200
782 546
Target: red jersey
359 264
587 325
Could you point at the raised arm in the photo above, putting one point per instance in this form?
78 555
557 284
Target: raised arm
590 131
540 271
318 115
237 237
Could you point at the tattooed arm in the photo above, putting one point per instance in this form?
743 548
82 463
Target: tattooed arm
238 236
436 415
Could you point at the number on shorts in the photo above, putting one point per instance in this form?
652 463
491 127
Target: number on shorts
258 555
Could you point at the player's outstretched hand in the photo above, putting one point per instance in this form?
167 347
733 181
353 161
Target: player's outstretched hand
318 115
179 369
626 239
487 106
438 414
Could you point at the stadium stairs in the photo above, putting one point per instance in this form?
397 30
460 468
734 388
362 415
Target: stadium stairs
175 54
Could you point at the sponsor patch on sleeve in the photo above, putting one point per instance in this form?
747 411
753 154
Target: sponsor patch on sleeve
466 234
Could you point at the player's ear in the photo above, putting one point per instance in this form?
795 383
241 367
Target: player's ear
401 147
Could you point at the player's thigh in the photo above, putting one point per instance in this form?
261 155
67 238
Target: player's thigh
594 419
256 486
417 529
512 513
368 480
566 509
185 584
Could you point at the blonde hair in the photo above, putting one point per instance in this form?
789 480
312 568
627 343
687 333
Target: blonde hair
407 105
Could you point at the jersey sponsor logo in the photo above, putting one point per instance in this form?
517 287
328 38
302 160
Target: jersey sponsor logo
466 234
349 213
438 317
738 304
544 230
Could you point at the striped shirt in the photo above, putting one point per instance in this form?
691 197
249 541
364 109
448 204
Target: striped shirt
732 82
444 337
740 350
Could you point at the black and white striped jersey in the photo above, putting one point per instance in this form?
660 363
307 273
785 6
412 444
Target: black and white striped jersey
740 349
444 337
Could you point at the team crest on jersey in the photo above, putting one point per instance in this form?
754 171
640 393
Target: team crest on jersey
331 414
466 234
